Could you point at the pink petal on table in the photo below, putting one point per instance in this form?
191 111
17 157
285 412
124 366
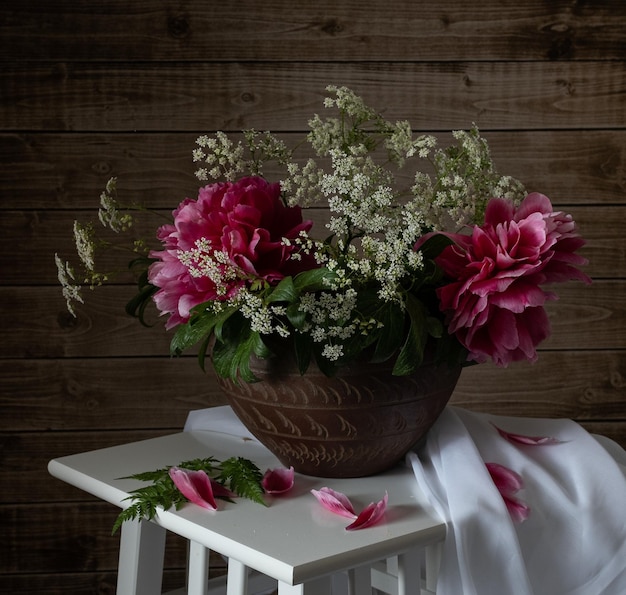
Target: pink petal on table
194 485
278 481
335 502
370 515
527 440
518 510
506 480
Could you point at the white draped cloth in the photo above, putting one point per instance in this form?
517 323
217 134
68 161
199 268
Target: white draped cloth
574 539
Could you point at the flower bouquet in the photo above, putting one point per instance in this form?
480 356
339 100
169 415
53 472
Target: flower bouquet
427 253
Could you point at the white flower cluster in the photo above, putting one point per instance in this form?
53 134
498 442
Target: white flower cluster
331 319
69 287
203 261
228 160
465 180
374 222
110 214
265 319
223 157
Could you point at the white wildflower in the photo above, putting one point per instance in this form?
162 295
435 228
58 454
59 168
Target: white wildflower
332 352
110 213
84 238
70 290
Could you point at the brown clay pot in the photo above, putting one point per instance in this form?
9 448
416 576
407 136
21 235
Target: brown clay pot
358 423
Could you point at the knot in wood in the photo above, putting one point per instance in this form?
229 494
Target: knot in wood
178 26
101 167
332 27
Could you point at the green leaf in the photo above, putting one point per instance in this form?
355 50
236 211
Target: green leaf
259 348
190 333
200 325
229 317
391 333
412 352
234 348
303 350
295 315
389 337
137 305
314 280
285 291
202 352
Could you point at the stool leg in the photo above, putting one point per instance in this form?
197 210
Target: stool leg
409 573
198 569
140 567
433 562
237 578
320 586
360 580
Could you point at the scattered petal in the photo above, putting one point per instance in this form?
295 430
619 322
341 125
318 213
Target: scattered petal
195 486
527 440
278 481
370 515
335 502
518 510
507 481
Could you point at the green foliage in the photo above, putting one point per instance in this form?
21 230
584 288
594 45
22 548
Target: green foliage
137 305
244 478
239 475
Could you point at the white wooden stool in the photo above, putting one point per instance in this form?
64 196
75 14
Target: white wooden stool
293 540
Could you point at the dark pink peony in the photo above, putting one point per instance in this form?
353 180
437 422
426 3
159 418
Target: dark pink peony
230 236
495 305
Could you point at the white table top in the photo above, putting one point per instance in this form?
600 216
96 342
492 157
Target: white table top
293 539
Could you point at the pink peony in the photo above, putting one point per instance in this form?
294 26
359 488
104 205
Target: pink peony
231 235
495 305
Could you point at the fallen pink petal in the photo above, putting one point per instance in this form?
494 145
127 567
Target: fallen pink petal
335 502
527 440
370 515
195 486
506 480
278 481
508 483
518 510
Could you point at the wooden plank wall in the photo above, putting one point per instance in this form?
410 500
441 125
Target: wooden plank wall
94 89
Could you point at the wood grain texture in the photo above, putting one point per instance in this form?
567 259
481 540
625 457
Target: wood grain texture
90 549
69 170
102 394
283 96
91 90
78 583
32 237
326 30
584 317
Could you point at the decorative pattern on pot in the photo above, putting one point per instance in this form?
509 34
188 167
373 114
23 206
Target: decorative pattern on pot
360 422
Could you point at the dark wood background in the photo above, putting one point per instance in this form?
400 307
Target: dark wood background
94 89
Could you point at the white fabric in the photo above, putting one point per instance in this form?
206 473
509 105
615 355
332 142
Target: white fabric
216 419
573 542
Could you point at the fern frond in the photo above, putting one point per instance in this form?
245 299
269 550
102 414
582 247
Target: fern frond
243 477
240 475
